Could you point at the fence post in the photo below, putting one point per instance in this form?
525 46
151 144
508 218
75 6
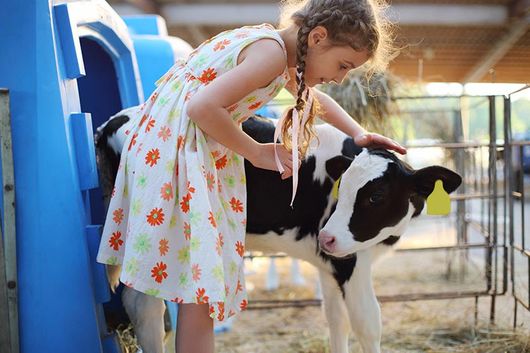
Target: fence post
8 255
461 225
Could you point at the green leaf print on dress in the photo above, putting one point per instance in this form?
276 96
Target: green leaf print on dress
142 244
132 267
184 255
136 207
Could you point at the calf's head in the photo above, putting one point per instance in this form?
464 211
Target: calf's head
377 196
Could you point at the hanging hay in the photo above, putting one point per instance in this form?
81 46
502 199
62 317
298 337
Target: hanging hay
369 100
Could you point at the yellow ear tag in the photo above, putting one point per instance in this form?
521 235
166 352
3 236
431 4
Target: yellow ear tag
335 189
438 202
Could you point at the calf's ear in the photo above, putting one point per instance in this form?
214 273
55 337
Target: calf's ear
424 179
337 165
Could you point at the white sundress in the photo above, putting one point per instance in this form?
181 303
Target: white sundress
177 216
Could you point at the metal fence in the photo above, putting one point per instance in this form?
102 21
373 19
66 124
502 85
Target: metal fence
518 152
485 253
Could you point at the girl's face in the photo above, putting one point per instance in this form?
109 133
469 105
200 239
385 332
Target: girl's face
329 63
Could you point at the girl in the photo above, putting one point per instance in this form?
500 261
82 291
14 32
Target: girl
176 220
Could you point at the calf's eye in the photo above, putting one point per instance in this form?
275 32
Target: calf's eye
376 198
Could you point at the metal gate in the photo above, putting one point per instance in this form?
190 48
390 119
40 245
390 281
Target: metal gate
486 254
518 152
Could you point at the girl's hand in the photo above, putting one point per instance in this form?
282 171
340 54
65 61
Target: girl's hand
369 139
265 159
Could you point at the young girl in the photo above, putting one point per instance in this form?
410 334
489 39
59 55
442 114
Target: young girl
176 220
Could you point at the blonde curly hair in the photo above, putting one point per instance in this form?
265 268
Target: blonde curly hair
355 23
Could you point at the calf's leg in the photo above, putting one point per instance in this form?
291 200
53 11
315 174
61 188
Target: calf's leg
336 313
363 308
147 316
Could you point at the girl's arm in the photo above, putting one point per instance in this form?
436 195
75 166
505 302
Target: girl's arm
258 64
335 115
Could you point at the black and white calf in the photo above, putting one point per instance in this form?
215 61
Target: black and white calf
339 233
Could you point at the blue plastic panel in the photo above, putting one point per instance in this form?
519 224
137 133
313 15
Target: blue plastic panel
73 60
81 128
146 24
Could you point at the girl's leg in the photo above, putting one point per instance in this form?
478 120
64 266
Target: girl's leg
194 329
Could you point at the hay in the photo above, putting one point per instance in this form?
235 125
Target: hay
434 326
370 100
127 339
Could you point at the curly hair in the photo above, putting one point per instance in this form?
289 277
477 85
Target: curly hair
355 23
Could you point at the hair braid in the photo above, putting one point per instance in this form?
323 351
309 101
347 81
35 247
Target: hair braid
301 53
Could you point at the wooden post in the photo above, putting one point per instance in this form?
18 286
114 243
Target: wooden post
9 339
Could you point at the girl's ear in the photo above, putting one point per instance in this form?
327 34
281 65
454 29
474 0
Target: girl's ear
317 34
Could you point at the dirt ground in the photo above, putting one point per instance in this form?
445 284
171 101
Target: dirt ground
408 327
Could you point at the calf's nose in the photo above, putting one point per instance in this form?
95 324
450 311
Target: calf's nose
326 241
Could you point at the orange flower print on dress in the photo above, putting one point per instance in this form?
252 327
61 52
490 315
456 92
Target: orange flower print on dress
221 162
164 133
163 246
208 76
153 97
189 77
177 300
255 105
243 305
196 272
185 203
133 141
191 189
180 142
158 272
156 217
221 311
237 206
210 181
187 231
152 157
201 297
240 248
144 118
166 192
221 45
115 242
150 124
239 287
219 244
211 218
117 215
